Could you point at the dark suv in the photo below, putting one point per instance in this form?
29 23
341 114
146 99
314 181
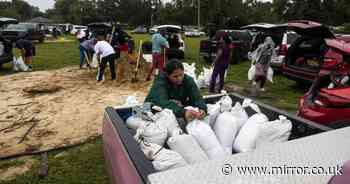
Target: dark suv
12 31
5 51
241 40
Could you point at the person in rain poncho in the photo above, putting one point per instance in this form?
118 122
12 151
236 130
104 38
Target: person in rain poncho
264 54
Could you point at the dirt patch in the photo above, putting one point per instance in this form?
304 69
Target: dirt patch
66 106
11 172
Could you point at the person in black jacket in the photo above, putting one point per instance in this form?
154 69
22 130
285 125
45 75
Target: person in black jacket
27 50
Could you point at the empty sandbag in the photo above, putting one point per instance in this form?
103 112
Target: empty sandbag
14 64
167 119
135 122
206 138
162 159
187 146
226 127
247 136
239 113
152 133
274 131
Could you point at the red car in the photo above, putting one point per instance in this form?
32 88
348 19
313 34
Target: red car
316 51
328 100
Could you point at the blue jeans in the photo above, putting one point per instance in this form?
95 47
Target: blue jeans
82 55
219 70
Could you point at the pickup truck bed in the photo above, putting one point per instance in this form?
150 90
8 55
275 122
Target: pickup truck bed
126 162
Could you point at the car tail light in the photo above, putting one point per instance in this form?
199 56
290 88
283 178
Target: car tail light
329 62
283 50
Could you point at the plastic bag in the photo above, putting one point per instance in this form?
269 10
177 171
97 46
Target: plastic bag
206 138
251 72
248 135
131 101
270 74
94 63
14 64
226 127
188 148
21 65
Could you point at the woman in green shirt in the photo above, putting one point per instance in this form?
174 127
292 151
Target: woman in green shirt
174 90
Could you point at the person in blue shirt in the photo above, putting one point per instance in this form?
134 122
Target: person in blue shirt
159 46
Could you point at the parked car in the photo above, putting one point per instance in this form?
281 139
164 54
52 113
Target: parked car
241 40
128 164
315 51
139 30
34 31
174 37
6 54
328 100
4 21
194 33
343 37
77 28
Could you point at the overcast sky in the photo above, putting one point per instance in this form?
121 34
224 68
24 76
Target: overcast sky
46 4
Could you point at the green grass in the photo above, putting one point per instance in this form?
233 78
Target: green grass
85 164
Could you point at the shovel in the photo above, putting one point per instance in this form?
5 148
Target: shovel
134 79
87 60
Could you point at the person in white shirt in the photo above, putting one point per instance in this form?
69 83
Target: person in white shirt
106 54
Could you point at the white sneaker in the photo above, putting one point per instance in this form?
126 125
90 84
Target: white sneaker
254 83
262 89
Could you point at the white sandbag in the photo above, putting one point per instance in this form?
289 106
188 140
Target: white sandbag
163 159
251 72
226 128
247 102
239 113
187 146
135 122
94 63
14 64
248 135
274 131
201 80
167 119
206 138
21 65
225 103
270 74
213 112
152 133
131 101
147 57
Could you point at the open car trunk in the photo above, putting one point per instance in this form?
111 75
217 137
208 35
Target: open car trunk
126 162
306 54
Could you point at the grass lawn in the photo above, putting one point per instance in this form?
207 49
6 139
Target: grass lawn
85 164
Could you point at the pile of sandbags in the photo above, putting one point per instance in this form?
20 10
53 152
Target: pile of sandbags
227 129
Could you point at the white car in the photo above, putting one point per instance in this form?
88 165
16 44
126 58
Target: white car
194 33
77 28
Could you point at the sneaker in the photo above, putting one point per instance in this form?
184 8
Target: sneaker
262 89
254 83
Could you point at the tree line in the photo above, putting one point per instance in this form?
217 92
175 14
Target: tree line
229 13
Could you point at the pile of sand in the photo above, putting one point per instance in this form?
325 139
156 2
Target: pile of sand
61 107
